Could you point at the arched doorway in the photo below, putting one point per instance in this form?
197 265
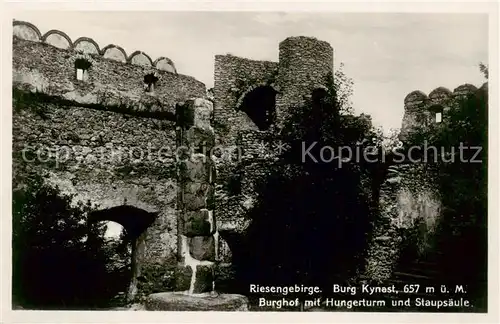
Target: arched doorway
119 250
260 106
134 222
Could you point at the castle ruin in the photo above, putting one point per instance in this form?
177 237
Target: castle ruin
105 120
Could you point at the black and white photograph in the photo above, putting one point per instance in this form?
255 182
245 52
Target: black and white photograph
250 161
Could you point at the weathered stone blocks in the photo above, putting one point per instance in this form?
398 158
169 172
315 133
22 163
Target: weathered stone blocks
196 176
204 278
201 139
194 169
202 247
194 112
183 276
198 223
192 202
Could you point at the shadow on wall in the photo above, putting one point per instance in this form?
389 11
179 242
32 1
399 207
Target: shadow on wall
307 230
60 259
310 222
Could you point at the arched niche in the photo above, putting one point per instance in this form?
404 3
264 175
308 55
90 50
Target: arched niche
140 58
115 53
27 31
165 64
57 39
259 104
86 45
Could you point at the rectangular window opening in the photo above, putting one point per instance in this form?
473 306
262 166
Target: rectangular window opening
439 117
79 74
150 82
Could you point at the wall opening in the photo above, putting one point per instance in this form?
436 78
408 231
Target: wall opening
436 112
119 249
260 105
318 95
150 82
234 184
82 67
135 222
439 117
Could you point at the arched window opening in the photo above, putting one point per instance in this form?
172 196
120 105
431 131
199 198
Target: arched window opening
260 106
82 67
150 82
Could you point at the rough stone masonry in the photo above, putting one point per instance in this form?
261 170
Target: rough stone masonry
113 108
197 232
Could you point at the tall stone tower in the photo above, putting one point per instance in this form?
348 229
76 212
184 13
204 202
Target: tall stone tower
304 65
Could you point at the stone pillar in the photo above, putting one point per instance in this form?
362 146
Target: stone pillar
197 233
196 230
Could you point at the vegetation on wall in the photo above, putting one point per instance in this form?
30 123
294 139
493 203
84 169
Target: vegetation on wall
461 179
59 260
313 217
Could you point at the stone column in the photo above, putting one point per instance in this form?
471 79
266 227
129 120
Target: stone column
197 233
196 230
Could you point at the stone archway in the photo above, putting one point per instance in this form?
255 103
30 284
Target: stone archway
135 222
259 103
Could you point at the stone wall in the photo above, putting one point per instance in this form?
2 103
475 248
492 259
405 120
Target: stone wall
410 206
104 139
59 39
408 202
113 79
107 158
233 78
420 109
304 65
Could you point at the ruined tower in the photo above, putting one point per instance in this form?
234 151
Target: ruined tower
422 111
304 65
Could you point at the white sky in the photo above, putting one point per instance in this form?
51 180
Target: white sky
113 229
387 55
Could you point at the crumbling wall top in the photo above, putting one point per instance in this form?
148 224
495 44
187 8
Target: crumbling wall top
464 89
416 95
439 94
